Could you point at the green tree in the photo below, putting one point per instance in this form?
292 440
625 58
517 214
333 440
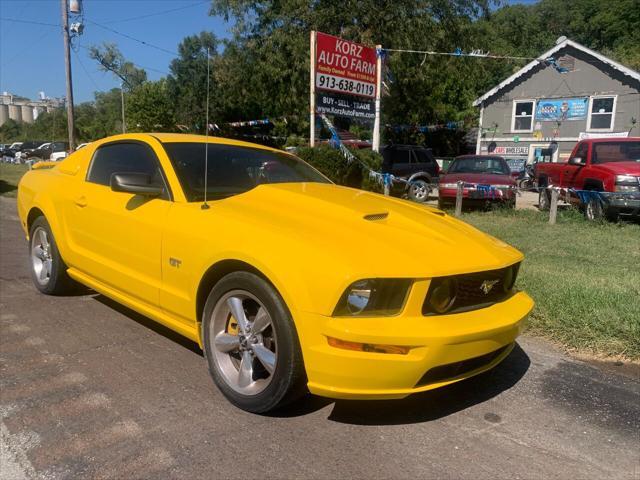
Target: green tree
188 79
149 108
111 60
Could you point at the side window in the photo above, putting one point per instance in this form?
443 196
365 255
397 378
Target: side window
422 156
582 152
123 158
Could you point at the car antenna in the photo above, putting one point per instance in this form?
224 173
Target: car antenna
205 205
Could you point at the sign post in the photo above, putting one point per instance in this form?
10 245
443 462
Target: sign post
312 92
376 123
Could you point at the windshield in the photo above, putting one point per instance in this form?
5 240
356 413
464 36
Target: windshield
616 152
479 165
233 170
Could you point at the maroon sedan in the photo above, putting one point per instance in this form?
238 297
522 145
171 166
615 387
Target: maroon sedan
485 180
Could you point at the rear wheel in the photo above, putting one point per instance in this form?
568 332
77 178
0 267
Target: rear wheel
251 344
419 190
48 270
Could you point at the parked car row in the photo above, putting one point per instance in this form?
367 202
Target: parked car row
34 151
486 179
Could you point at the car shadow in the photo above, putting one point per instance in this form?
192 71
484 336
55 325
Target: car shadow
417 408
149 323
420 407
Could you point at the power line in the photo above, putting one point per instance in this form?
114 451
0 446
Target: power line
132 38
135 64
85 70
139 17
7 19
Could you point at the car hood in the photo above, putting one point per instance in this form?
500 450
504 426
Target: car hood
619 168
367 232
483 178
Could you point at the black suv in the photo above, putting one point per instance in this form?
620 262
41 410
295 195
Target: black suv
416 165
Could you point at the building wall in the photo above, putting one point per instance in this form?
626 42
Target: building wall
587 78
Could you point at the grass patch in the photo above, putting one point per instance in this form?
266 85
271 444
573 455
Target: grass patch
10 175
584 277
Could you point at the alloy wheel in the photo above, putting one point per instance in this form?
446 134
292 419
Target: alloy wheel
244 342
41 257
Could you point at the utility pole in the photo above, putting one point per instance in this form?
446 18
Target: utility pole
67 64
124 125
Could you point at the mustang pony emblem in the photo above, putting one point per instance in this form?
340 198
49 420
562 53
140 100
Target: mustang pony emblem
487 285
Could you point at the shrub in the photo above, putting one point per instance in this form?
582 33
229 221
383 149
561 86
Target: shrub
332 163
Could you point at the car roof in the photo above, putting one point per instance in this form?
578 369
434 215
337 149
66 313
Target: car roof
190 138
612 139
498 157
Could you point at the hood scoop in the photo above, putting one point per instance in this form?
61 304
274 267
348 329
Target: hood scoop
372 217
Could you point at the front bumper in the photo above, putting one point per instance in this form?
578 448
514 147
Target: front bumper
460 345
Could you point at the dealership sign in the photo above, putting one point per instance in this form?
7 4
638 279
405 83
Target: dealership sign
336 104
344 66
511 151
560 109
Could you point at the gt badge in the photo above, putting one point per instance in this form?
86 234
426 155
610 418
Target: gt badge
487 285
174 262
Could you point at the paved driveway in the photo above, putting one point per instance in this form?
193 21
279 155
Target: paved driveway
89 389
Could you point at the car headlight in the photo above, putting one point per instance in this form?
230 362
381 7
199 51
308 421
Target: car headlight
627 183
373 297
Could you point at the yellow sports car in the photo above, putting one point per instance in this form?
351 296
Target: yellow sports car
288 282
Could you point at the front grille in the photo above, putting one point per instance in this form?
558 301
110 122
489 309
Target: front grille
470 293
453 370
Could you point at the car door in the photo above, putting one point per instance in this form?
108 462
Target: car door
570 173
118 235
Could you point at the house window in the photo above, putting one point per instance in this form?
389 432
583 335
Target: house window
522 120
601 113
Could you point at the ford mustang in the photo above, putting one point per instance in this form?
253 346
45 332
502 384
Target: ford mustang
288 282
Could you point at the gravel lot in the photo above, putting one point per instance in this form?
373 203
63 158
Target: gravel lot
89 389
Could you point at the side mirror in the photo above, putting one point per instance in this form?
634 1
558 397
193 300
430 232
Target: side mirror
576 161
138 183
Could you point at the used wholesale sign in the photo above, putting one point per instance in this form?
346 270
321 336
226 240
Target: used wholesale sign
345 67
332 104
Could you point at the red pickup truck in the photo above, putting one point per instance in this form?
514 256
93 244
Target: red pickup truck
608 165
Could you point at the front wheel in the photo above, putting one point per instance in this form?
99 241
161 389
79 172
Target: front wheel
593 210
251 344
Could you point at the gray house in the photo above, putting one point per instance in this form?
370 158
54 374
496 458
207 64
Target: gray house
541 111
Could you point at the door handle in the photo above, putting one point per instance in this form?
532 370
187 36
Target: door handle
81 201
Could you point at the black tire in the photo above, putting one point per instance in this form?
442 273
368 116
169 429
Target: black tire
544 200
288 381
419 190
58 281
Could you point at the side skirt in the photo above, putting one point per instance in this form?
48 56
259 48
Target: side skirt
142 308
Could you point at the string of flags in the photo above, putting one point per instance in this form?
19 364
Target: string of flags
250 123
476 53
335 142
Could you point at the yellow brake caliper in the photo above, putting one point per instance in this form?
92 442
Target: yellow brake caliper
232 326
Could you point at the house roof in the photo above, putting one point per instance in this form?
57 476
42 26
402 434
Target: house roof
550 53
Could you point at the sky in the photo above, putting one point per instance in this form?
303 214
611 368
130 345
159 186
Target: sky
32 55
